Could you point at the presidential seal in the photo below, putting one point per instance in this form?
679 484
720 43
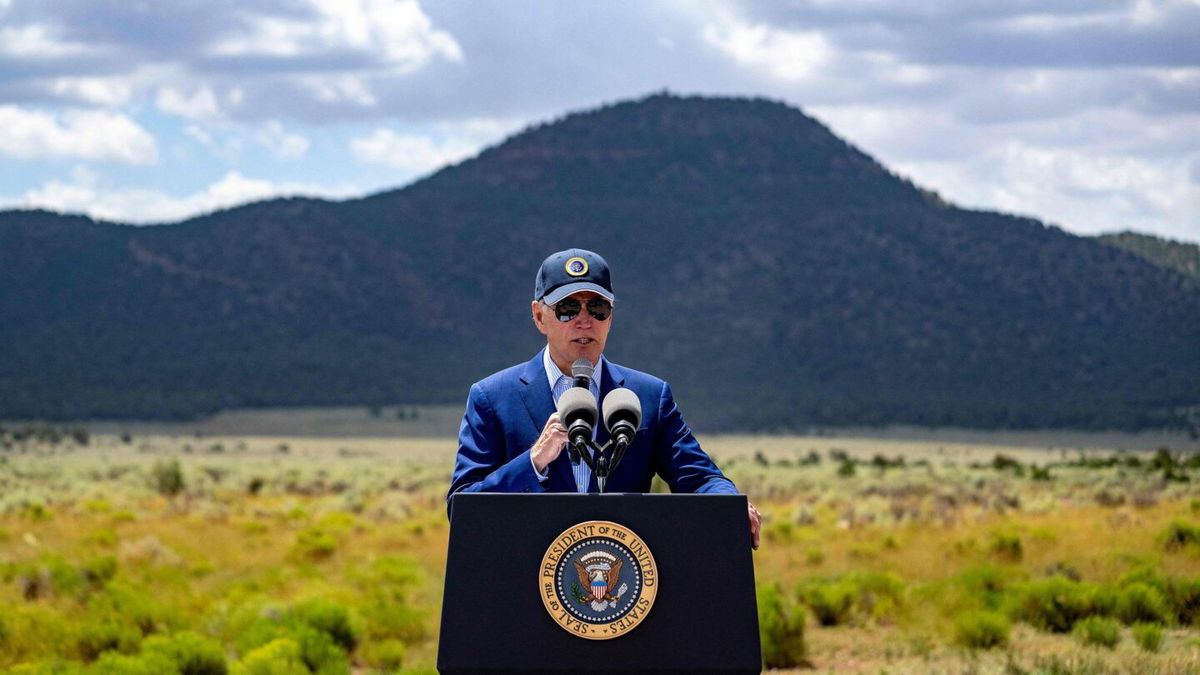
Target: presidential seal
576 267
598 580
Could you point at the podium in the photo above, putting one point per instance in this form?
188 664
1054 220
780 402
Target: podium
589 583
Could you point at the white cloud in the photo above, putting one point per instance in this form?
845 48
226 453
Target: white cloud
87 134
36 41
412 152
282 144
397 29
100 91
784 54
337 88
200 105
1084 192
87 192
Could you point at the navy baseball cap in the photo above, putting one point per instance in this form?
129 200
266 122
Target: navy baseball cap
572 271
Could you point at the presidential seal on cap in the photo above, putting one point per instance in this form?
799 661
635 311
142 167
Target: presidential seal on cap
598 580
571 271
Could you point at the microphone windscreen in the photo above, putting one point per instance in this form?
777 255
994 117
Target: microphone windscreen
577 403
582 368
622 404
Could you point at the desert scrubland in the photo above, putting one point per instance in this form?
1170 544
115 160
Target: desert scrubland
139 552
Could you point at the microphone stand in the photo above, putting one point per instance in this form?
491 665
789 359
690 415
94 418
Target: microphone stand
600 460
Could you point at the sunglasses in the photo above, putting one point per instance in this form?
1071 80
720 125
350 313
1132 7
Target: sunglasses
567 310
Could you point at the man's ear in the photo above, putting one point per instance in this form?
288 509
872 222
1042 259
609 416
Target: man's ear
538 311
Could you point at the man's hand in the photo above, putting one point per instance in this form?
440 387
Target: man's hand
755 524
548 446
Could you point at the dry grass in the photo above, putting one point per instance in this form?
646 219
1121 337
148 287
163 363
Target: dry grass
265 519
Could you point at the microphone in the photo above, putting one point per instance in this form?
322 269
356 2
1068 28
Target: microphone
622 415
577 412
582 371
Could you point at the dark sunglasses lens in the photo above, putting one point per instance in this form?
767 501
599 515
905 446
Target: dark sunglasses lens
566 310
599 308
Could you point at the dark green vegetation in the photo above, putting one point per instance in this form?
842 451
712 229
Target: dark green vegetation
777 276
1176 255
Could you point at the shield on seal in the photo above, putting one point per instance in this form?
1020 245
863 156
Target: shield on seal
599 587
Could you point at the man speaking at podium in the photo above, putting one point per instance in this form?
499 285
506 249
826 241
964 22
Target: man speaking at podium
511 438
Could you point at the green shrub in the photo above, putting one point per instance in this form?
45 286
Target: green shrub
314 543
386 618
277 657
319 652
331 618
986 583
99 571
1140 602
1040 473
133 607
97 637
865 595
387 655
830 603
116 663
189 653
36 511
167 478
1007 547
1145 575
1183 599
781 628
981 630
1178 535
1148 636
1055 603
1098 630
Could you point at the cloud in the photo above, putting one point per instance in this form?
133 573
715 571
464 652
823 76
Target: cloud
1087 192
788 55
322 53
398 30
84 134
447 143
282 144
411 152
88 192
38 42
98 91
199 105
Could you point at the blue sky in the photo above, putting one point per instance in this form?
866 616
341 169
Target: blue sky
1083 114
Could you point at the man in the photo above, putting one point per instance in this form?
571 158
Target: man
511 439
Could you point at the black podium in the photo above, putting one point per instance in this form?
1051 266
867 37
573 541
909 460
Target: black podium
499 614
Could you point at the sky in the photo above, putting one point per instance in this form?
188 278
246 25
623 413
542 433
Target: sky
1085 114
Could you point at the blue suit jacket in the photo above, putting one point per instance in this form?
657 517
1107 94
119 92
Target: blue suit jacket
507 411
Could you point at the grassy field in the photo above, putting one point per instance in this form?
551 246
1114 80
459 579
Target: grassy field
143 552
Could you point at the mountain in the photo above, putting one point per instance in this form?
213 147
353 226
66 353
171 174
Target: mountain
1176 255
776 275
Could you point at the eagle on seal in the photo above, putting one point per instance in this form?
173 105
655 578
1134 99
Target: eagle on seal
598 581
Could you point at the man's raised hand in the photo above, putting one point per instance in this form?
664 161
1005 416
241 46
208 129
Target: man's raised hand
549 444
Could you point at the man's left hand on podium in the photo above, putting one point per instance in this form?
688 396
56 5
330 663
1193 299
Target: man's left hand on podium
755 524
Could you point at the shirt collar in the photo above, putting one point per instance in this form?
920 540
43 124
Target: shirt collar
553 373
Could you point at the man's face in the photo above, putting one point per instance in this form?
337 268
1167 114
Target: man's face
580 338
